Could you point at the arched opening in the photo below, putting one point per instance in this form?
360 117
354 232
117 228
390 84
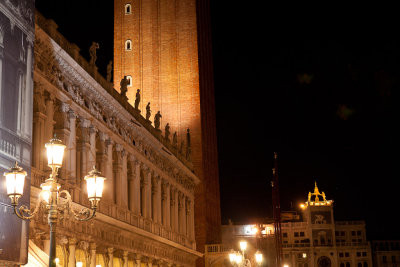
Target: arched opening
128 45
128 9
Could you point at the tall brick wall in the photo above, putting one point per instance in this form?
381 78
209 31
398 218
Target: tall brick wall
164 65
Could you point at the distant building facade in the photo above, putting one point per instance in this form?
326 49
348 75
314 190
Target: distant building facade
386 253
16 90
145 217
316 240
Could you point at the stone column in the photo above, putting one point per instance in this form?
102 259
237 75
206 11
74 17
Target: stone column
62 130
92 150
28 100
124 180
92 248
143 192
38 154
148 195
1 62
63 242
191 225
109 171
49 121
164 206
137 192
138 260
134 187
110 253
174 209
188 217
71 148
84 147
72 247
168 206
154 198
117 167
181 213
158 199
125 258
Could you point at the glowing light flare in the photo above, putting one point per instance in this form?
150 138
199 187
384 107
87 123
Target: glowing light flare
304 255
286 265
79 264
95 185
238 258
55 153
15 183
259 257
243 245
232 257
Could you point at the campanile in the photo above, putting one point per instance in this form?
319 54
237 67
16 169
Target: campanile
163 47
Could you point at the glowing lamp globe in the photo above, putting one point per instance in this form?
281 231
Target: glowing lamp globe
259 257
95 185
243 245
238 258
55 152
232 257
15 180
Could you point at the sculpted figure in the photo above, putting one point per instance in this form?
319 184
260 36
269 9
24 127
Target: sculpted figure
124 86
137 100
157 118
175 140
167 132
109 71
92 51
148 111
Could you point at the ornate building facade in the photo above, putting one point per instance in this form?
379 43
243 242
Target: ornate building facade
313 240
146 216
164 48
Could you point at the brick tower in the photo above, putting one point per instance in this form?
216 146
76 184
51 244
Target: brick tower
157 45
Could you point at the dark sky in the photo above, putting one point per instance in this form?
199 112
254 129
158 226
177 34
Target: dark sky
328 106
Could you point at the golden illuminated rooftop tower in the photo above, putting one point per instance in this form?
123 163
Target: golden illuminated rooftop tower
157 45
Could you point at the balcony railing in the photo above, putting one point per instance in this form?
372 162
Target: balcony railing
121 214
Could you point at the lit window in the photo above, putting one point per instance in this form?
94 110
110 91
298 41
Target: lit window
128 9
128 45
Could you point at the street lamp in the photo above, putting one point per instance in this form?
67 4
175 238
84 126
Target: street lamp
50 194
238 259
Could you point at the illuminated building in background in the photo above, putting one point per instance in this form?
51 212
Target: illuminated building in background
313 239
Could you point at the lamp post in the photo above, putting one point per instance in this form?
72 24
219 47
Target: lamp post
50 195
238 259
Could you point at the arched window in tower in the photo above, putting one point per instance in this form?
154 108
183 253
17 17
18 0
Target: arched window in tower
129 80
128 9
128 45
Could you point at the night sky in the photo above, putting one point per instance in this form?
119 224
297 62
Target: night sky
328 106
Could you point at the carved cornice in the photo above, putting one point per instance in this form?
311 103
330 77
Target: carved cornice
60 70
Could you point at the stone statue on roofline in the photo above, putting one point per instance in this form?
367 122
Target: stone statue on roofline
157 118
137 100
148 111
92 51
167 132
109 70
124 86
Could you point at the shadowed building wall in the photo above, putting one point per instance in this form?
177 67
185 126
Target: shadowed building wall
171 64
